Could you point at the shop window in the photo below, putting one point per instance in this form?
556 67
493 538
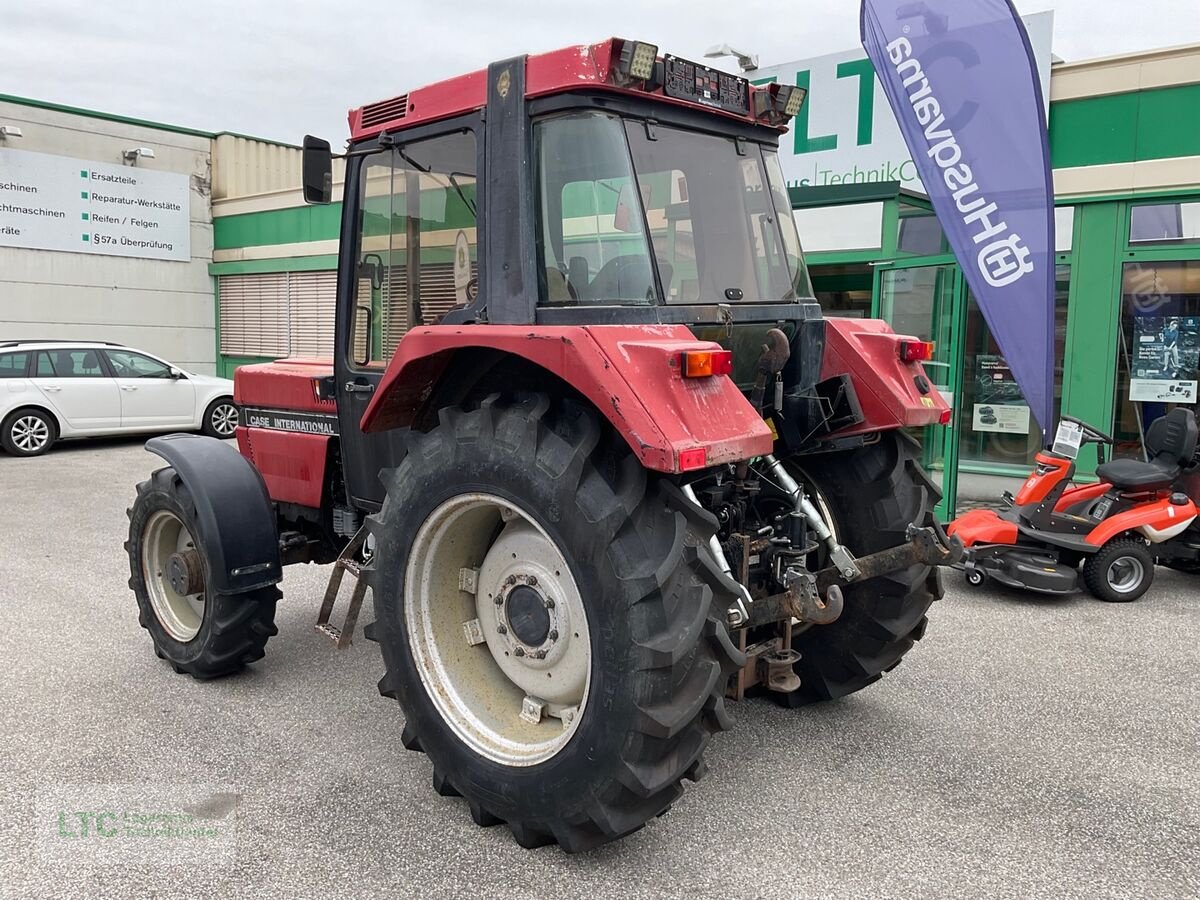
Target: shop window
1158 356
844 290
417 255
920 234
1165 223
995 424
856 226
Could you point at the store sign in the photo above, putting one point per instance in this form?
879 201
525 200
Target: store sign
1165 367
61 203
846 132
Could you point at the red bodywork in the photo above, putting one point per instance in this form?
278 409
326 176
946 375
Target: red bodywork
1081 494
585 67
869 351
1039 484
982 526
630 373
1159 515
291 462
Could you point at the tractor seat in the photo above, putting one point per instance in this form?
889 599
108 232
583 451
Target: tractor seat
1171 442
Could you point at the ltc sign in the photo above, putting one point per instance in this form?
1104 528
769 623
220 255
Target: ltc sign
846 133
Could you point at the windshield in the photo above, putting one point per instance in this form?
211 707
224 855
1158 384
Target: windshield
628 215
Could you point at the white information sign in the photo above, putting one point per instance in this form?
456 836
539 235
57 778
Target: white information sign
1001 419
61 203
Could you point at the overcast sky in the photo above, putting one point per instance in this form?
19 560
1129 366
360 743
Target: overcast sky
280 68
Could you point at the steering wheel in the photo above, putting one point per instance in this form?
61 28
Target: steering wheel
1096 433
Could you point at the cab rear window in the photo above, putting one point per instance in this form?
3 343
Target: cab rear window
14 365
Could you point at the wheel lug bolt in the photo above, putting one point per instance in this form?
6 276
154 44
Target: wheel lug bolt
553 635
541 654
499 601
510 580
549 603
532 581
519 651
501 629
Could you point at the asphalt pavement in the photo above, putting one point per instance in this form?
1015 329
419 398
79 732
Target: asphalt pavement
1028 747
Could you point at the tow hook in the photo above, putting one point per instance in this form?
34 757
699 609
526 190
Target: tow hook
805 600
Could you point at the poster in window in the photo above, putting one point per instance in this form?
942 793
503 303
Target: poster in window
1000 406
1165 360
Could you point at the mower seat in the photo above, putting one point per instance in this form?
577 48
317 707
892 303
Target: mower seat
1171 442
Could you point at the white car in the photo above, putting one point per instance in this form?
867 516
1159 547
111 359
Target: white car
51 390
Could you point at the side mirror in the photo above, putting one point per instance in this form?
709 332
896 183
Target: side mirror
317 171
176 373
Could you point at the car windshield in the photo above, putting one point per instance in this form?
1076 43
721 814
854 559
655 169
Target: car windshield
637 213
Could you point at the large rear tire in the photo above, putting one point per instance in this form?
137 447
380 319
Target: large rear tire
199 631
873 494
521 544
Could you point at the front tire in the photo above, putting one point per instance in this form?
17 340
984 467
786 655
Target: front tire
198 631
28 432
538 499
1119 572
873 494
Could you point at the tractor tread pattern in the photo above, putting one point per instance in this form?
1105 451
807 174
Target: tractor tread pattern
652 536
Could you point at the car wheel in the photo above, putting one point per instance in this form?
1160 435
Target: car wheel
221 418
28 432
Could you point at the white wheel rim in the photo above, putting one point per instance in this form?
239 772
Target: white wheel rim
225 419
1125 574
30 433
508 666
180 615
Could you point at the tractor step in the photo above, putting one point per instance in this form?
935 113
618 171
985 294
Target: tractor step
347 561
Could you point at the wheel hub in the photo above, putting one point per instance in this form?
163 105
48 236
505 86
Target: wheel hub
528 616
185 572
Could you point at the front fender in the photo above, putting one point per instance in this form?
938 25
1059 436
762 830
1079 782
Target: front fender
629 373
233 511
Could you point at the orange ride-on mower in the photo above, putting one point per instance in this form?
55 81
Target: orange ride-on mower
1138 514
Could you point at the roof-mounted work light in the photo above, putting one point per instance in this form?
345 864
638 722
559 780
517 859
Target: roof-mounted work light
633 62
775 104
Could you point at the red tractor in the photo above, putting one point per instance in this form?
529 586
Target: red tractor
585 435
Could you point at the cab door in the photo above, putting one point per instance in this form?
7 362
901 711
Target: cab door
79 387
151 397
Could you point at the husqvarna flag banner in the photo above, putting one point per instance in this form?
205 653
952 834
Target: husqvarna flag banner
962 81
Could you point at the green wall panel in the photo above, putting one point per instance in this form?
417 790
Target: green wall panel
277 226
1154 124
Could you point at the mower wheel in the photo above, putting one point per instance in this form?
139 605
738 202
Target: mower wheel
550 619
197 630
1121 571
975 577
872 494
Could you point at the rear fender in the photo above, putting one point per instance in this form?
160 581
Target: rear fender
891 392
629 373
233 511
1157 521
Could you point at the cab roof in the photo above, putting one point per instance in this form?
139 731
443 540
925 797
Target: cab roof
582 67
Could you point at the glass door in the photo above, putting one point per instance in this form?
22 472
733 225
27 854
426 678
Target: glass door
927 301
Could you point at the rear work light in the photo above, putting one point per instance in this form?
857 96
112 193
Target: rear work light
916 351
776 103
705 363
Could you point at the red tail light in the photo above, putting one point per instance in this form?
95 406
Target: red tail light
690 460
705 363
916 351
945 417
